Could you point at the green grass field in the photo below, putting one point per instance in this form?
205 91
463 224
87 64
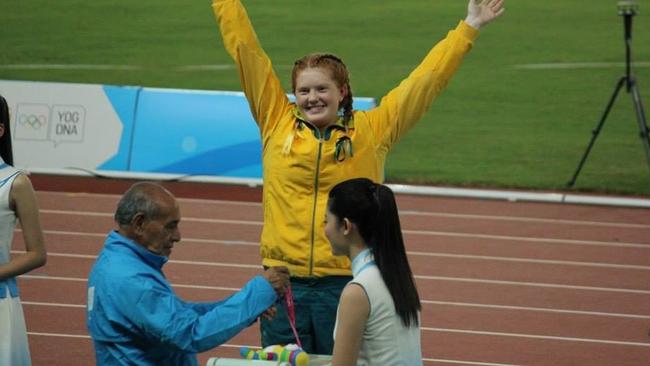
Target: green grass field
496 125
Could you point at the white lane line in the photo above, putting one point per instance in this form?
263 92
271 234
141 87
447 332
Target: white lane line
442 330
535 309
52 304
220 202
532 284
523 219
459 362
221 67
185 219
59 335
426 278
185 240
84 280
194 263
69 67
412 232
116 198
73 233
223 242
476 236
530 260
579 65
536 336
218 264
616 244
416 213
443 303
250 243
216 67
411 253
402 212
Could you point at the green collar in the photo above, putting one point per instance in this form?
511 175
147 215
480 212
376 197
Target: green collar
339 125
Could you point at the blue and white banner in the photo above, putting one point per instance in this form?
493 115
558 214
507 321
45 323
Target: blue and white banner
195 132
135 129
58 125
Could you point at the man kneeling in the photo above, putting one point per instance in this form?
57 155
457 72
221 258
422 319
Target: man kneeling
133 315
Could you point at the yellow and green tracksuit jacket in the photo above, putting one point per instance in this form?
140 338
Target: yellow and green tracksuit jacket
301 165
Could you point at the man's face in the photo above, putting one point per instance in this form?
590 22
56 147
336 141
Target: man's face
159 235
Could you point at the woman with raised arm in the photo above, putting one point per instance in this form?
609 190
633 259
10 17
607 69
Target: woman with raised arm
311 145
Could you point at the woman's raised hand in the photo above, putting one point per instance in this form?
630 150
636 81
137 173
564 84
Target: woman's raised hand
481 12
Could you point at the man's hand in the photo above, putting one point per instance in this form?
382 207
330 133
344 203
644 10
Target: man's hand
270 313
278 277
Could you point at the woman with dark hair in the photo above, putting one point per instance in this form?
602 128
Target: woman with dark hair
377 322
5 139
17 201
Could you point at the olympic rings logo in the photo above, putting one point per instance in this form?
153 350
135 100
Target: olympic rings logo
32 120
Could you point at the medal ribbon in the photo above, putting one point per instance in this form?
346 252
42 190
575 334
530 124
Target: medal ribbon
291 313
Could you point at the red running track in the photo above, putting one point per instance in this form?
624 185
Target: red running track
502 283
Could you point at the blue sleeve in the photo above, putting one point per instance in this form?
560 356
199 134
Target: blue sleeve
163 318
204 307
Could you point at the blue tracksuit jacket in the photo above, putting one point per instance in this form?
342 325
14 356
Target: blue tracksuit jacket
135 318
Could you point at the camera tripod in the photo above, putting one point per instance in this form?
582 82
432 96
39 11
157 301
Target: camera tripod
627 9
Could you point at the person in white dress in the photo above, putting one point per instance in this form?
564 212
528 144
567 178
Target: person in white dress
378 319
17 202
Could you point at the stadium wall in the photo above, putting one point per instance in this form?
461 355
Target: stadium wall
132 129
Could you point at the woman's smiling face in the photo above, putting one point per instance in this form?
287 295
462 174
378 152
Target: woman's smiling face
318 96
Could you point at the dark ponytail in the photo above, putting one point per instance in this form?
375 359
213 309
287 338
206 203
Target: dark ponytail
372 208
5 141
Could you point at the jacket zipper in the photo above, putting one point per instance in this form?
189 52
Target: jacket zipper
313 213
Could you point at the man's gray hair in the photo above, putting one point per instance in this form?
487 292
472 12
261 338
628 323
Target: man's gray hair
137 199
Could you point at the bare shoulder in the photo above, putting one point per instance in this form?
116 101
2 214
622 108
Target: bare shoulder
22 182
354 297
21 190
355 292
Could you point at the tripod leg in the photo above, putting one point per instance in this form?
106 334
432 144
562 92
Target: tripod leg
640 116
596 131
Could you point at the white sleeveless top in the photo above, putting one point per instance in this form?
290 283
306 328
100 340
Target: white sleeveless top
7 224
386 342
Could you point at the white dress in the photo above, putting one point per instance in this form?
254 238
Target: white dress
386 341
14 349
